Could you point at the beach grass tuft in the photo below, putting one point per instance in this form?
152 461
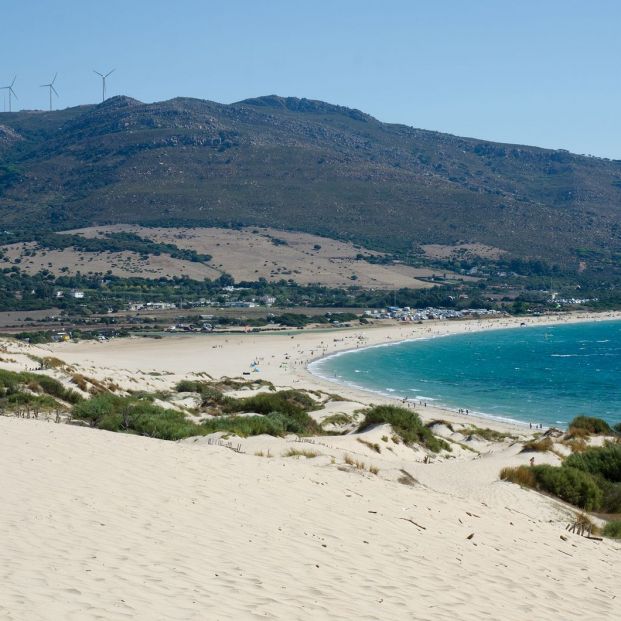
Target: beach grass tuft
337 419
540 445
293 452
374 446
491 435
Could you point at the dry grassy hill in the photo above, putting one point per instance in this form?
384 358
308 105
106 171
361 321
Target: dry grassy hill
247 254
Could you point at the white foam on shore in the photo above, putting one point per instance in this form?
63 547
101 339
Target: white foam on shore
314 368
390 393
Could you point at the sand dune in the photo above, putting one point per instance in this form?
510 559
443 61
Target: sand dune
97 525
105 526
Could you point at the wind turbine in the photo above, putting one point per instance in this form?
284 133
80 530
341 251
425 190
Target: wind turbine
103 83
51 87
11 91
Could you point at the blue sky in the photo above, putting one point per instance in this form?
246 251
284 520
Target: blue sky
540 72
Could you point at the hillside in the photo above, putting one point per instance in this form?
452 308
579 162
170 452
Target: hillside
308 166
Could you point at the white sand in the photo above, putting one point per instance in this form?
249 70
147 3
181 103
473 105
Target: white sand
96 525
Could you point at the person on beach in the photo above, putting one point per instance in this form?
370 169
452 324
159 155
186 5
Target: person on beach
532 461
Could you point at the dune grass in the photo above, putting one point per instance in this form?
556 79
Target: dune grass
491 435
360 465
406 424
293 452
538 445
374 446
337 419
440 421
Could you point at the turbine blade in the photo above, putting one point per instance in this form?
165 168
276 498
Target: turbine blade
57 95
13 82
109 72
14 95
97 72
54 80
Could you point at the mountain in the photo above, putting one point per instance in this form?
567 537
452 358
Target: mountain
304 165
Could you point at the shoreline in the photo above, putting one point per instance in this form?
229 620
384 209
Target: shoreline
152 365
482 325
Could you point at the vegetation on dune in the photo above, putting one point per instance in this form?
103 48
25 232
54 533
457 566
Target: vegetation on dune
602 461
406 424
374 446
37 391
612 529
244 426
590 480
337 419
491 435
538 445
589 425
293 452
277 415
135 415
440 421
569 484
281 401
287 407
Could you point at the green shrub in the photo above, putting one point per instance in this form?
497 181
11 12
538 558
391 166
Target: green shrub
37 402
604 461
590 424
189 386
13 382
244 426
9 381
54 388
290 405
572 485
406 424
211 396
135 415
617 427
281 401
612 498
612 530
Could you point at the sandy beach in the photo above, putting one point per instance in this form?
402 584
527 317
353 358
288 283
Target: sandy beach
282 357
100 525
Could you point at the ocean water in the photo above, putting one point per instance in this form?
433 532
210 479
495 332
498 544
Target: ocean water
543 375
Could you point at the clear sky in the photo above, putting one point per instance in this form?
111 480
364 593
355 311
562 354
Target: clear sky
541 72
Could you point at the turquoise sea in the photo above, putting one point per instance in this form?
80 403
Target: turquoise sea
542 375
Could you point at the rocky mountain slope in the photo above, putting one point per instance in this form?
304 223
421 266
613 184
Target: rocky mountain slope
304 165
